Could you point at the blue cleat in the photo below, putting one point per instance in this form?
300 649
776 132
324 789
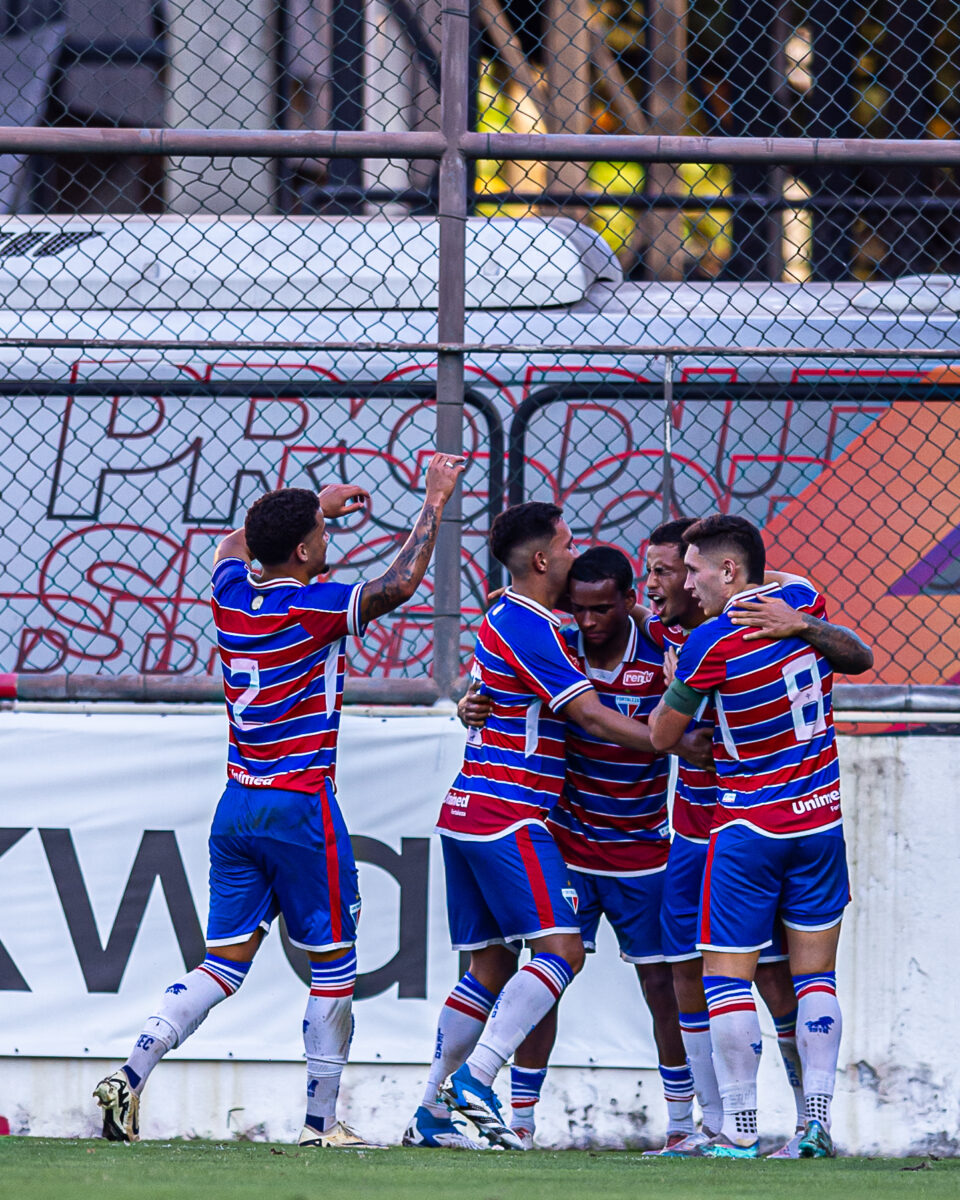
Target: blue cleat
816 1142
691 1146
478 1103
722 1147
437 1133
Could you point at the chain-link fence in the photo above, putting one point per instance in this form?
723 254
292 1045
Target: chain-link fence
603 247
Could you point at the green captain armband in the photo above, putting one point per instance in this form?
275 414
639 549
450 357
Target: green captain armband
683 698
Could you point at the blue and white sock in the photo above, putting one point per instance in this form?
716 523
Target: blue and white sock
786 1028
525 1086
678 1093
695 1031
461 1022
327 1031
526 998
182 1009
735 1035
819 1027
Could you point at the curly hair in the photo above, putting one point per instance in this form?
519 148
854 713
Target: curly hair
278 522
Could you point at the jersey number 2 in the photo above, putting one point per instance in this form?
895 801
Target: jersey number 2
804 697
245 666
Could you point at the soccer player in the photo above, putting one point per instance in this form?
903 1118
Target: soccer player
676 612
611 826
278 843
776 848
506 880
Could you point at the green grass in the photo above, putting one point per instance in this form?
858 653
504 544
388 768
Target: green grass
46 1169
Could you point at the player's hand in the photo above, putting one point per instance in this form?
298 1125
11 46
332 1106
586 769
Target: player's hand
341 499
442 475
669 666
767 617
474 708
696 748
495 595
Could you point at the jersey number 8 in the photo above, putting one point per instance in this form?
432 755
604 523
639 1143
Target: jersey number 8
804 697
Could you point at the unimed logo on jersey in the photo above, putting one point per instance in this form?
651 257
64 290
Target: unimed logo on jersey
637 678
158 861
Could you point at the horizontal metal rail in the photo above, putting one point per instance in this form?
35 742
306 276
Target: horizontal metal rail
497 348
205 689
548 147
196 689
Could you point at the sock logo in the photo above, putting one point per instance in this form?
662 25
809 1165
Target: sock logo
570 895
145 1041
312 1088
821 1025
177 988
756 1047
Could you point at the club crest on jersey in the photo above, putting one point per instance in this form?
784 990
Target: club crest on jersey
628 705
636 678
257 603
571 897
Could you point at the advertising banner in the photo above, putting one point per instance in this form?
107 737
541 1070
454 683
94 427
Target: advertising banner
103 895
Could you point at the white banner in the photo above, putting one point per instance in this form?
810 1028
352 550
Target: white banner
103 895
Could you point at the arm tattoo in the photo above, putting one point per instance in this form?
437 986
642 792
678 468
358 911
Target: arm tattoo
839 646
402 578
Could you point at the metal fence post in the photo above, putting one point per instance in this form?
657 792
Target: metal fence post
666 487
454 74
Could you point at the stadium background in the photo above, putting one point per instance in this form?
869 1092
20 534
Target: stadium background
756 326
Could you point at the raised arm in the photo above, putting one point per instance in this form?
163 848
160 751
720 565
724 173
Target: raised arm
772 617
234 545
402 578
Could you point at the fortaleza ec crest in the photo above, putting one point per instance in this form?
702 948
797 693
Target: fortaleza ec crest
628 705
570 895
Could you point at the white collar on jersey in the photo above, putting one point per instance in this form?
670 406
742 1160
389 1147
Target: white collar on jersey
760 589
284 581
609 676
533 605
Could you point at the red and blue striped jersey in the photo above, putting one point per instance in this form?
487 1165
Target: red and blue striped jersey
774 742
281 647
695 794
612 815
513 767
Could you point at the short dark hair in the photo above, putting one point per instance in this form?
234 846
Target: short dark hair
522 523
670 533
735 534
604 562
278 522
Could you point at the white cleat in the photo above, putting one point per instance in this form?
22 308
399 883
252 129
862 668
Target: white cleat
338 1137
121 1108
428 1130
791 1149
686 1146
525 1136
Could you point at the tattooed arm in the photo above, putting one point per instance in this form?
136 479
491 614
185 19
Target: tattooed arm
402 578
771 617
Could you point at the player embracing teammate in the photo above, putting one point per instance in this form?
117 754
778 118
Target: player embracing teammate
776 849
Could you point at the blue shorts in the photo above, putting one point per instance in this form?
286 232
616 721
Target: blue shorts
680 912
749 879
631 903
282 852
508 889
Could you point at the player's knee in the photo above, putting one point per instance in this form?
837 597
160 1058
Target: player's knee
574 954
656 982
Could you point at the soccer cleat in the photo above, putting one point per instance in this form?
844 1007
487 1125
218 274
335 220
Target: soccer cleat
722 1147
791 1149
477 1102
427 1129
687 1146
121 1108
525 1135
337 1137
816 1142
